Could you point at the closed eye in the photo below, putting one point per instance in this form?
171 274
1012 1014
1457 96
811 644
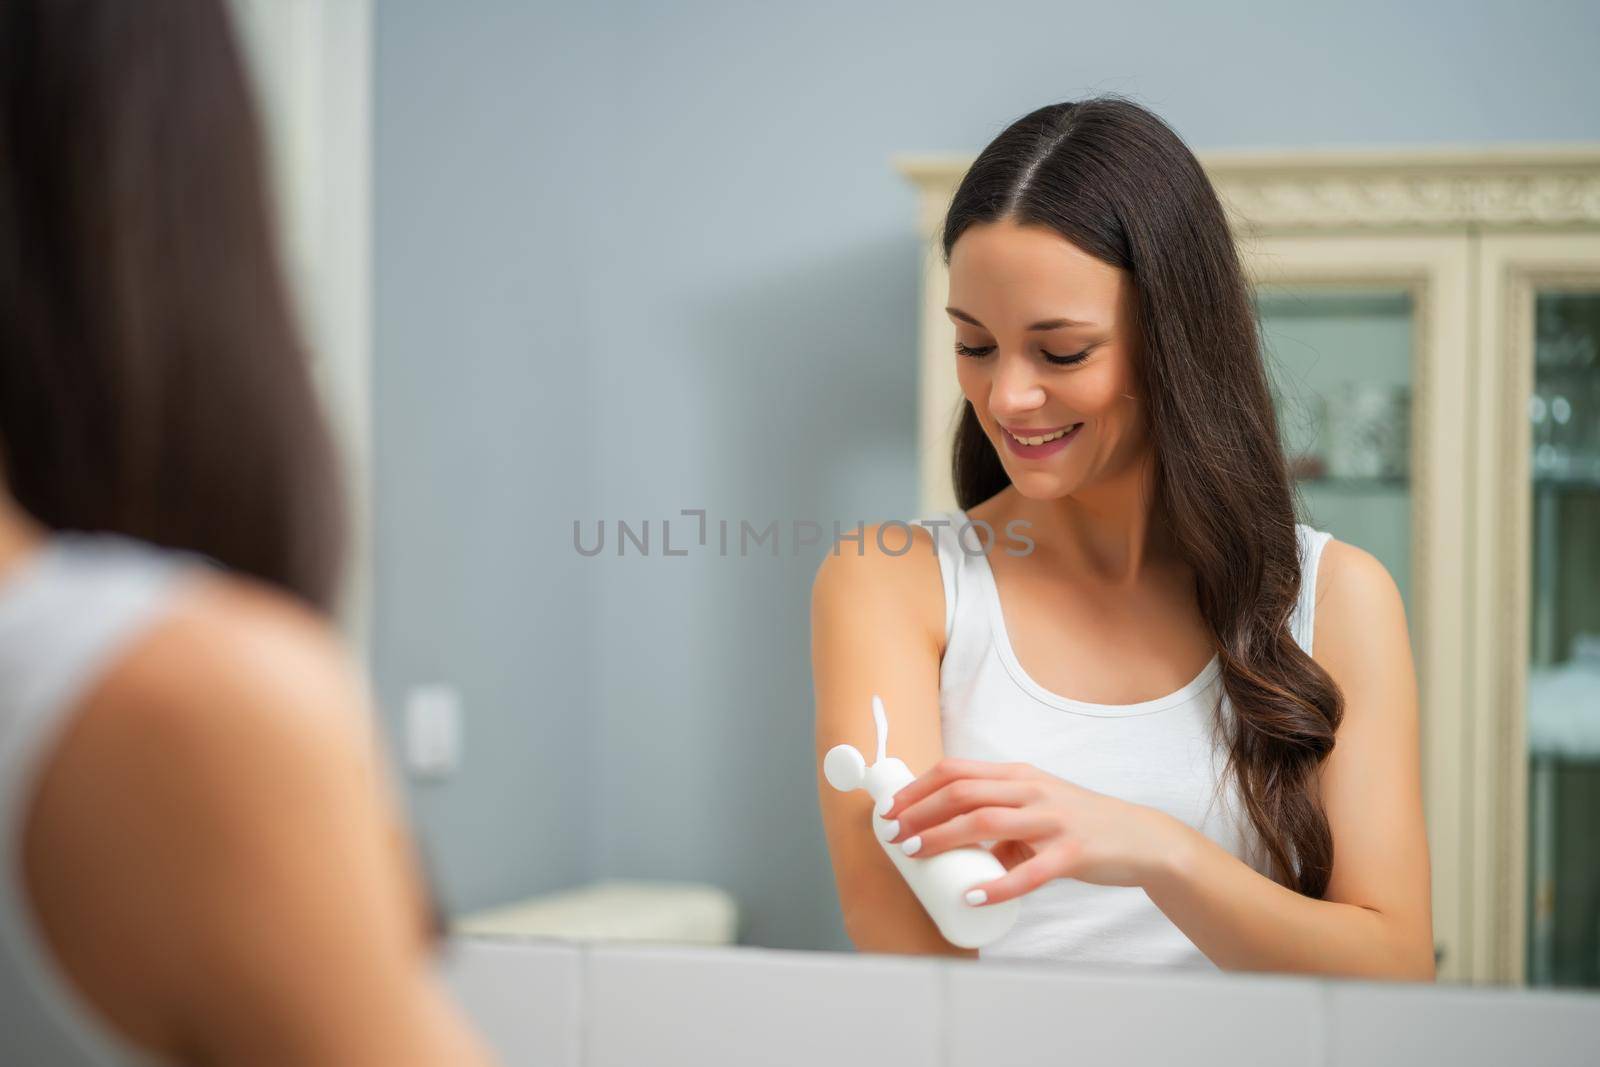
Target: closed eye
1065 360
1050 357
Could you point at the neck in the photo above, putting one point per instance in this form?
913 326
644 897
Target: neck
1112 531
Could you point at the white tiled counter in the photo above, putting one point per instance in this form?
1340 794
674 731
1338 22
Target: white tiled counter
556 1004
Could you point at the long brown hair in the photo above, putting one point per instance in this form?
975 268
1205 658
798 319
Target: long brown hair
1117 182
153 381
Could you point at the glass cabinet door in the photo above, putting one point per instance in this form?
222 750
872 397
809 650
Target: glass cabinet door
1563 686
1367 342
1341 367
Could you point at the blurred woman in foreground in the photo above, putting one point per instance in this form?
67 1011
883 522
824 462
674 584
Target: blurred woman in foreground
203 856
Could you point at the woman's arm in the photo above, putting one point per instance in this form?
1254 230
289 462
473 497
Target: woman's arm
877 627
1376 918
213 857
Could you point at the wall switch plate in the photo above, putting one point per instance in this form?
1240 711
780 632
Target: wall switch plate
433 731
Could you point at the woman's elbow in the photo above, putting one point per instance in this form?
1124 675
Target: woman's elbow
1423 963
884 927
1412 957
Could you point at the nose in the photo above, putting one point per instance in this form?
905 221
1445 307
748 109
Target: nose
1015 389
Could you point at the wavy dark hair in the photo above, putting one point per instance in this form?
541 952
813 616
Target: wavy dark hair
1116 181
153 380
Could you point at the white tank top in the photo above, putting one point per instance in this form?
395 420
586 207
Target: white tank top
1167 753
66 611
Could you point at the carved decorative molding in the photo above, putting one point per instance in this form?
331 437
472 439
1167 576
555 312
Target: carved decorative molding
1369 190
1365 201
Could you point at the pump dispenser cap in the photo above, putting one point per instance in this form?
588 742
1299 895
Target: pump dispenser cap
844 768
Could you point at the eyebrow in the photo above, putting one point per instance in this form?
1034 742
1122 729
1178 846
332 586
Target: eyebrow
1047 324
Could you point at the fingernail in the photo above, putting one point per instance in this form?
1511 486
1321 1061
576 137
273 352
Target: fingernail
884 805
890 830
910 845
976 897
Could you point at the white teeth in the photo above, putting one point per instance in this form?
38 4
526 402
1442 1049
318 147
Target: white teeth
1047 437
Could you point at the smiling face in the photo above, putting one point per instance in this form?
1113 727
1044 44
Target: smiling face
1046 350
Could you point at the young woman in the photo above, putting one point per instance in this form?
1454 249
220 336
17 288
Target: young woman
1186 723
202 856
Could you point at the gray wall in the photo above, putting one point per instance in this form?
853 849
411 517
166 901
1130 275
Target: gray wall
634 258
481 393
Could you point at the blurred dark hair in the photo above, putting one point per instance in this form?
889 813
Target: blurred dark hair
1118 183
153 381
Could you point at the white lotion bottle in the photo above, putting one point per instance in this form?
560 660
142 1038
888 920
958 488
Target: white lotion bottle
940 882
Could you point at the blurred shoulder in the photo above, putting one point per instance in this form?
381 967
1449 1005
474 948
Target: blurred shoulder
233 667
223 759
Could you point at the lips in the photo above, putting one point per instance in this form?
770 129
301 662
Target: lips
1050 441
1036 437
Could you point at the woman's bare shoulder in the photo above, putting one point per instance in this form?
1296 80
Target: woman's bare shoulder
190 772
1349 572
231 664
1358 610
232 680
216 800
891 574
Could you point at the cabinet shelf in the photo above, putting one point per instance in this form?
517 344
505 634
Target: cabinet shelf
1347 484
1579 483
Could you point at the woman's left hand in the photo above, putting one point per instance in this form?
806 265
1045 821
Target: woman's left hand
1044 828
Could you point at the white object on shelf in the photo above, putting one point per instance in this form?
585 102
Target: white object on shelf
1563 724
616 910
1564 704
1367 430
